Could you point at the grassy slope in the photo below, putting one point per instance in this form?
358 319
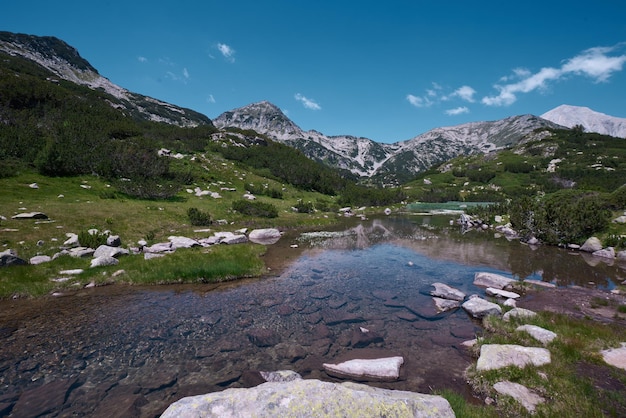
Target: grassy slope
100 206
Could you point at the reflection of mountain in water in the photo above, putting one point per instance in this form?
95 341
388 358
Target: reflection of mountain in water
433 237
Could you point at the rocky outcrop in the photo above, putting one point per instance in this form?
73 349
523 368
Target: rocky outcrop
310 398
496 281
480 308
497 356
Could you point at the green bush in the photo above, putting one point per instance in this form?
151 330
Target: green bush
89 240
198 217
254 208
304 207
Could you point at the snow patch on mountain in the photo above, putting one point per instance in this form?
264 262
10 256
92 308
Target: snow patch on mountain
591 120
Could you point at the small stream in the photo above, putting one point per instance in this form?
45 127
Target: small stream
131 351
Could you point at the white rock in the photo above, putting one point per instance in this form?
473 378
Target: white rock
479 307
72 272
493 280
608 252
105 250
592 244
444 291
518 313
39 259
104 261
387 368
33 186
520 393
615 356
501 293
497 356
540 334
264 236
182 242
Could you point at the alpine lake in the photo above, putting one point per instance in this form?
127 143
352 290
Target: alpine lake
120 350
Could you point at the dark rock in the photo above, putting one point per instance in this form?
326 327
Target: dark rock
285 310
7 259
320 331
334 317
263 337
362 337
251 378
290 352
44 399
120 405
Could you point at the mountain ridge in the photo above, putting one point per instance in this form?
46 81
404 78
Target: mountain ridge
65 62
387 163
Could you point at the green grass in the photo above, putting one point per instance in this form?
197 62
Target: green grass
560 383
197 265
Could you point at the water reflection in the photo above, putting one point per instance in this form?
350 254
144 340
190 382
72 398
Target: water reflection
132 351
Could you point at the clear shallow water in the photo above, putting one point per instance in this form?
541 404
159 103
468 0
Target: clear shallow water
136 350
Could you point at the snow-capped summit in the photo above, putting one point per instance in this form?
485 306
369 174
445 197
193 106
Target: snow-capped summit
591 120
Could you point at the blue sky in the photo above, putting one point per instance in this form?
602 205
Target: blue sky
384 70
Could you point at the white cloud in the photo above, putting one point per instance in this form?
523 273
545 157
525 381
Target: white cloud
227 52
465 93
142 59
210 99
419 101
308 103
594 63
457 111
186 73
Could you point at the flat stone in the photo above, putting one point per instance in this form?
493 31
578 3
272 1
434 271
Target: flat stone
384 369
615 356
444 305
518 313
72 272
39 259
235 239
497 356
160 247
310 397
540 334
484 279
444 291
182 242
501 293
520 393
30 215
479 307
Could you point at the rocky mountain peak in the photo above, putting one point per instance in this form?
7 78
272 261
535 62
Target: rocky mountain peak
592 121
264 117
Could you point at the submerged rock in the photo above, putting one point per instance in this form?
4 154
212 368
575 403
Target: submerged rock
310 398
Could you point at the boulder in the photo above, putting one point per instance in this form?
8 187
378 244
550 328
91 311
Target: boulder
39 259
114 241
608 252
10 258
497 356
72 240
479 307
264 236
108 251
520 393
81 252
540 334
621 255
484 279
444 305
444 291
518 313
591 245
30 215
378 369
104 261
182 242
308 398
615 356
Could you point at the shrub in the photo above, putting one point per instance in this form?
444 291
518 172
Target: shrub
253 208
89 240
304 207
198 217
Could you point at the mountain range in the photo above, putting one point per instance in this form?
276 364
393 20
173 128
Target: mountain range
387 164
